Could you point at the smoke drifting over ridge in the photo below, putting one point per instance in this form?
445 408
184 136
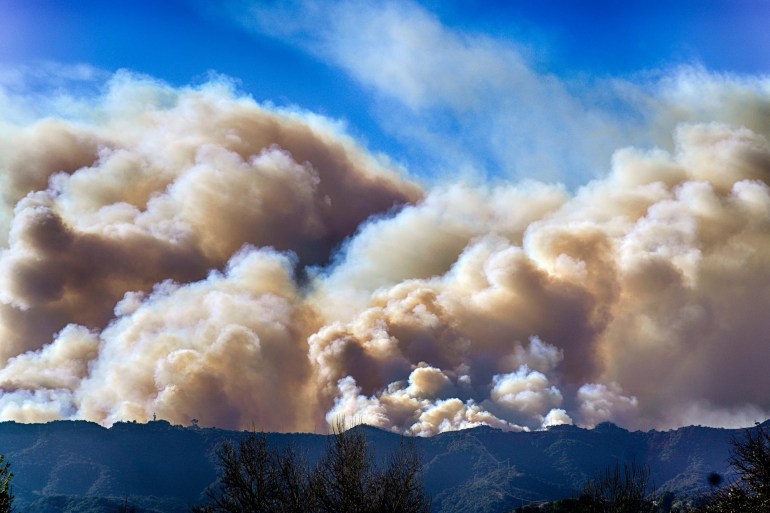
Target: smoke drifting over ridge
193 254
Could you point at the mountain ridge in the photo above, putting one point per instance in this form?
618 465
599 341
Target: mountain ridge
79 466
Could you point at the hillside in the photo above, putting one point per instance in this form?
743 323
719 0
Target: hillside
81 466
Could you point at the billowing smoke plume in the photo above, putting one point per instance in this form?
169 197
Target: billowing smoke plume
192 254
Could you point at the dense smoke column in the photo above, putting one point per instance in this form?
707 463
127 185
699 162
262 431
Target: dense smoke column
191 253
104 219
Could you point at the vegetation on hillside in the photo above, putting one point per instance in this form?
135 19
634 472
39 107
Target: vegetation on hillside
616 489
627 491
6 494
750 457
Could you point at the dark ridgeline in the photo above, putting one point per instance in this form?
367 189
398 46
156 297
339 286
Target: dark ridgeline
157 467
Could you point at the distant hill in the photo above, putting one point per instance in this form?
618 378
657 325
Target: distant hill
76 466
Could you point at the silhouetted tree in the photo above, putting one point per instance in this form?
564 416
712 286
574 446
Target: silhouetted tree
750 456
617 490
253 478
126 507
402 485
346 478
6 494
294 482
256 478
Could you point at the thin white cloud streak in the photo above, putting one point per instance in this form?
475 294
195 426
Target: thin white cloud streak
46 88
468 103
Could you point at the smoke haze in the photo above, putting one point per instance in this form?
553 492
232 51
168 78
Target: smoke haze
193 254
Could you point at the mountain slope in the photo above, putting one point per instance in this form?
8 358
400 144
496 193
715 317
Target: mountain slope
81 466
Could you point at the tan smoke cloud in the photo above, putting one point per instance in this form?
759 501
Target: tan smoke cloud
227 350
191 254
157 188
167 185
645 290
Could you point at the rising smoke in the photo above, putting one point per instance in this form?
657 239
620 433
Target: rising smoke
192 254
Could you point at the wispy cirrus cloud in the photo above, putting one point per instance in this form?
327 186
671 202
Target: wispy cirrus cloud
462 102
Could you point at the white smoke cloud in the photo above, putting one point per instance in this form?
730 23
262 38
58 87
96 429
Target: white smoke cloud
602 403
192 254
525 392
125 230
215 350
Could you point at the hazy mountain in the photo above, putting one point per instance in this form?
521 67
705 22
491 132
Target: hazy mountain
80 466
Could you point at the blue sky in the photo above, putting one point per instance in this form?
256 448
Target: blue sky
179 41
544 66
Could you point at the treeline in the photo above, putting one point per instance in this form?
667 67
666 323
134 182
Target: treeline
253 477
628 489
